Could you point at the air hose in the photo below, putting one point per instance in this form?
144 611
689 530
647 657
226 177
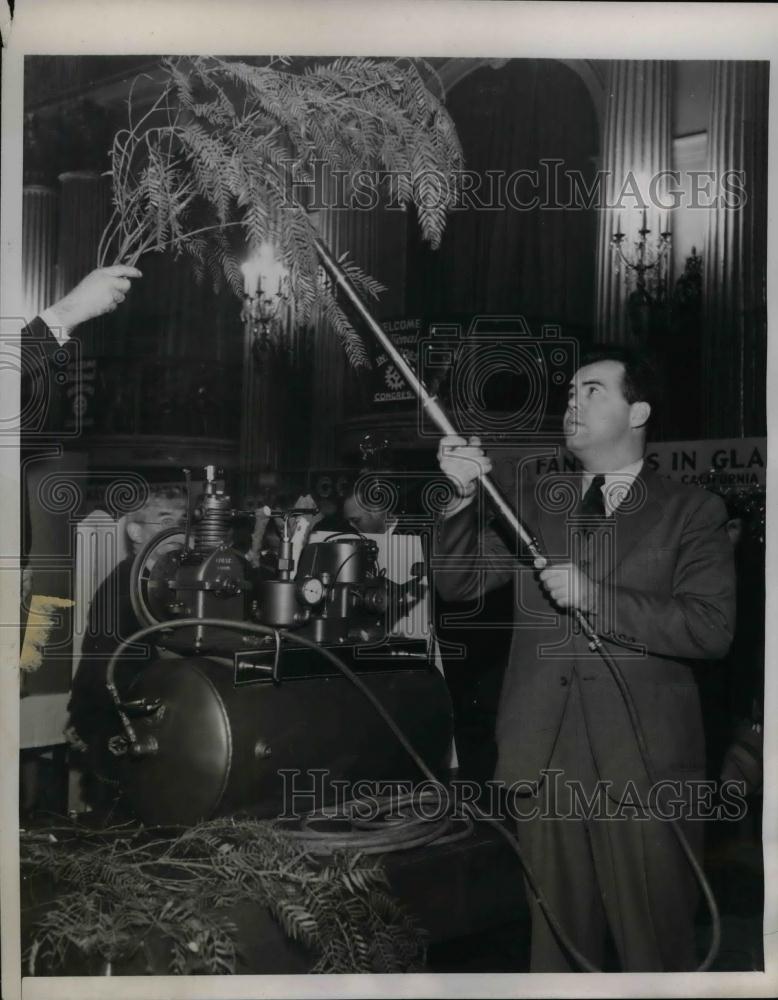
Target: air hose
431 408
314 840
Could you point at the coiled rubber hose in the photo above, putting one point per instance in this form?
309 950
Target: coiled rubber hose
319 839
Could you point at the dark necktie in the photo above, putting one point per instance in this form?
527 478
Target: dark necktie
593 502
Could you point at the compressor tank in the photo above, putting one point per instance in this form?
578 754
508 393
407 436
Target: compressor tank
218 746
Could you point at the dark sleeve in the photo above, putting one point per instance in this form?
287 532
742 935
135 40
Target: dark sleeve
470 557
38 330
697 619
42 400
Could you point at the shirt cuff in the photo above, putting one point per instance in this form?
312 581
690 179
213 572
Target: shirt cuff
59 331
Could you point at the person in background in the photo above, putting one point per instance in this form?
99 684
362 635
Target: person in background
358 511
92 716
267 533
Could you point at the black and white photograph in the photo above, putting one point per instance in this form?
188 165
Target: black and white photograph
385 455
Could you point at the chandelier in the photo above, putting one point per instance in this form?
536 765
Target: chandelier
645 261
266 296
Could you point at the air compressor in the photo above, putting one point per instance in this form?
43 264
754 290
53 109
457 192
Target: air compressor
225 721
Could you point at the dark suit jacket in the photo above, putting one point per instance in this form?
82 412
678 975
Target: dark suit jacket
43 399
667 596
42 405
37 329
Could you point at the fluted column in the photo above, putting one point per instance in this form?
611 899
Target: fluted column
39 247
735 254
83 212
83 215
636 148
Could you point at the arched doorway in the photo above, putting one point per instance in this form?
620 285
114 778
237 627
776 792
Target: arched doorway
529 132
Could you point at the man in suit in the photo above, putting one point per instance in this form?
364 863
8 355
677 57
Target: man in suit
100 292
649 562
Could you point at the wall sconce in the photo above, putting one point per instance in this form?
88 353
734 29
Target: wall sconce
266 294
645 259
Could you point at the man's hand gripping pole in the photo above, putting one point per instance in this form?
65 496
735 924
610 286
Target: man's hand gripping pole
440 418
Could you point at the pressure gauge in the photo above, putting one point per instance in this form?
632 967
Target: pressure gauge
312 590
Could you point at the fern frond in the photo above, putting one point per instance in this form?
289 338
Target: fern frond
350 339
224 138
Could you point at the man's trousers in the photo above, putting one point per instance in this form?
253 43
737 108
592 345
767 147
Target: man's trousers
625 875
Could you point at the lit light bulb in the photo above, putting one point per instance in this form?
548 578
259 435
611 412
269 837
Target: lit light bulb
263 269
252 270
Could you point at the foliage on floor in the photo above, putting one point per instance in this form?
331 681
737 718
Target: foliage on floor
115 887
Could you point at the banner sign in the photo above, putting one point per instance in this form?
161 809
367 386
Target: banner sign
717 464
389 385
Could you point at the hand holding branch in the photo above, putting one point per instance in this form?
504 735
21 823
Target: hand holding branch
100 292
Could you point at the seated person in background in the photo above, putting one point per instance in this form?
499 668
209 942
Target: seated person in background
359 511
364 512
93 718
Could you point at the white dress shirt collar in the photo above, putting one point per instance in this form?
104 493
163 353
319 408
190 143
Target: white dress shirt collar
616 486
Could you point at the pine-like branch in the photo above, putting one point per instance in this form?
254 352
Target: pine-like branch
116 888
224 139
